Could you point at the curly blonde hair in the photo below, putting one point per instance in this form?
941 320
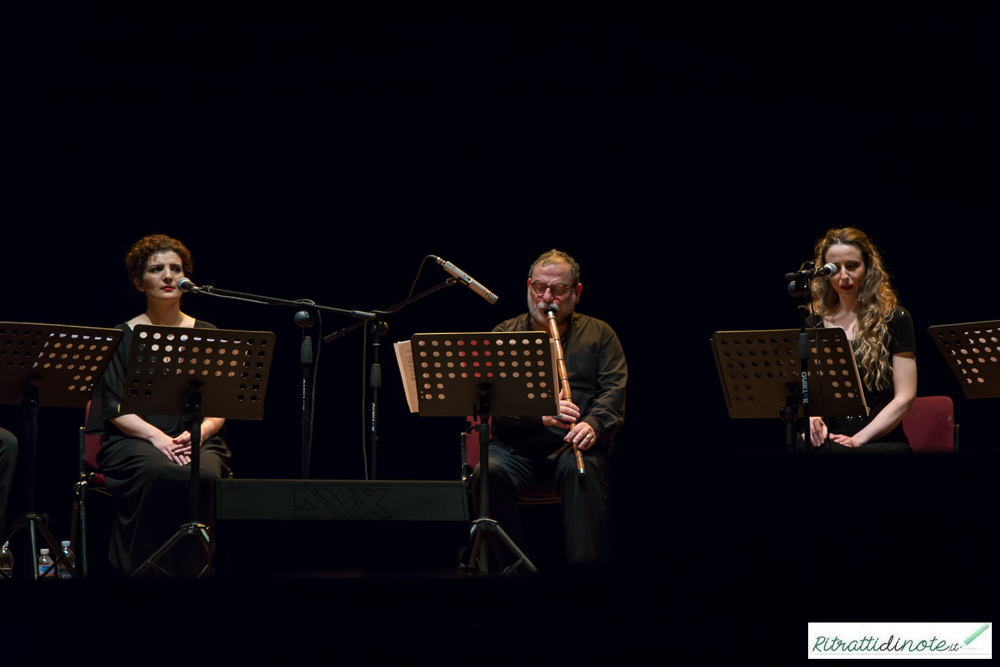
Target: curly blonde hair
876 302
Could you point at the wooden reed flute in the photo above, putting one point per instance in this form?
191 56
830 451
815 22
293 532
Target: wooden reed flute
564 382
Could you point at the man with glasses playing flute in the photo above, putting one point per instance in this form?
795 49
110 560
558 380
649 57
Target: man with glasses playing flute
529 454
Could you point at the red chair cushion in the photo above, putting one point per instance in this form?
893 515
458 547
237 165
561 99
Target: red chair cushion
930 425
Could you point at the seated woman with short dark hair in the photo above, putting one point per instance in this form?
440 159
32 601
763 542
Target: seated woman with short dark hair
145 458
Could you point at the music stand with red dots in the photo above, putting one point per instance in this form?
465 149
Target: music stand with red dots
972 352
194 372
497 373
761 375
50 365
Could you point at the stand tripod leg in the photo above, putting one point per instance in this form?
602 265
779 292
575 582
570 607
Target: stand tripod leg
151 561
476 537
29 520
486 531
81 489
34 546
196 530
483 553
58 557
522 557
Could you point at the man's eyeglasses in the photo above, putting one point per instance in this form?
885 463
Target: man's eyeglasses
538 287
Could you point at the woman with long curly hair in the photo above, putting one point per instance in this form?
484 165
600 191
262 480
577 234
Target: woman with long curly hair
145 458
859 299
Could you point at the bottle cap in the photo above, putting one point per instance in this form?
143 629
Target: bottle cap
45 552
65 543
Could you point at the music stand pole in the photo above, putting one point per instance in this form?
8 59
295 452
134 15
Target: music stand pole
193 527
484 529
507 373
174 370
56 366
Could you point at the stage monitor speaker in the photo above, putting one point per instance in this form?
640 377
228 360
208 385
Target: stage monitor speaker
294 527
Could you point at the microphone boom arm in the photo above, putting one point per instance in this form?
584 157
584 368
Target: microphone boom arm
393 309
270 300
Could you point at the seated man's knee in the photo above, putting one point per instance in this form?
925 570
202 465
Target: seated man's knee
8 444
498 476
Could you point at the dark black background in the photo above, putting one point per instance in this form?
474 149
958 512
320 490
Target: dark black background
686 162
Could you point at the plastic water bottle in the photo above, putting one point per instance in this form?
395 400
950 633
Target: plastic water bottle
44 561
68 555
6 561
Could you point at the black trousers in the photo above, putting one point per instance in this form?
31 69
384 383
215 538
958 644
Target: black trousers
8 460
516 473
151 499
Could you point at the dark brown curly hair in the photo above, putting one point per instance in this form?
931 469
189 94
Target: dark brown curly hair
876 302
143 250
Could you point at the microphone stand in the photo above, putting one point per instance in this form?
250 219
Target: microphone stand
304 318
799 286
378 329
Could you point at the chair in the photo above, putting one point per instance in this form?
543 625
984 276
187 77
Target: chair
89 480
930 425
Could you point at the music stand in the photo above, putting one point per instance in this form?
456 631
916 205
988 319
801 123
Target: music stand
761 377
972 352
56 366
509 373
192 372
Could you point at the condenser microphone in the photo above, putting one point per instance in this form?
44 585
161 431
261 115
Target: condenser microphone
825 270
467 280
185 285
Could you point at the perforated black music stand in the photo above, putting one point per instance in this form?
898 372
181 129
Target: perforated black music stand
972 352
481 374
761 374
49 365
192 372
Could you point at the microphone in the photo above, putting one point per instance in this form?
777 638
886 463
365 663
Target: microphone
185 285
825 270
467 280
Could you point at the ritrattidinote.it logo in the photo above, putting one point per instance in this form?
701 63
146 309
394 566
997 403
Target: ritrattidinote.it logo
900 640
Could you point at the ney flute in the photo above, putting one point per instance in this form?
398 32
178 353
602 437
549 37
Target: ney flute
564 381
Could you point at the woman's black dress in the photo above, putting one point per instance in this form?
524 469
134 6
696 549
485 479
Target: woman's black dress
151 492
901 339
